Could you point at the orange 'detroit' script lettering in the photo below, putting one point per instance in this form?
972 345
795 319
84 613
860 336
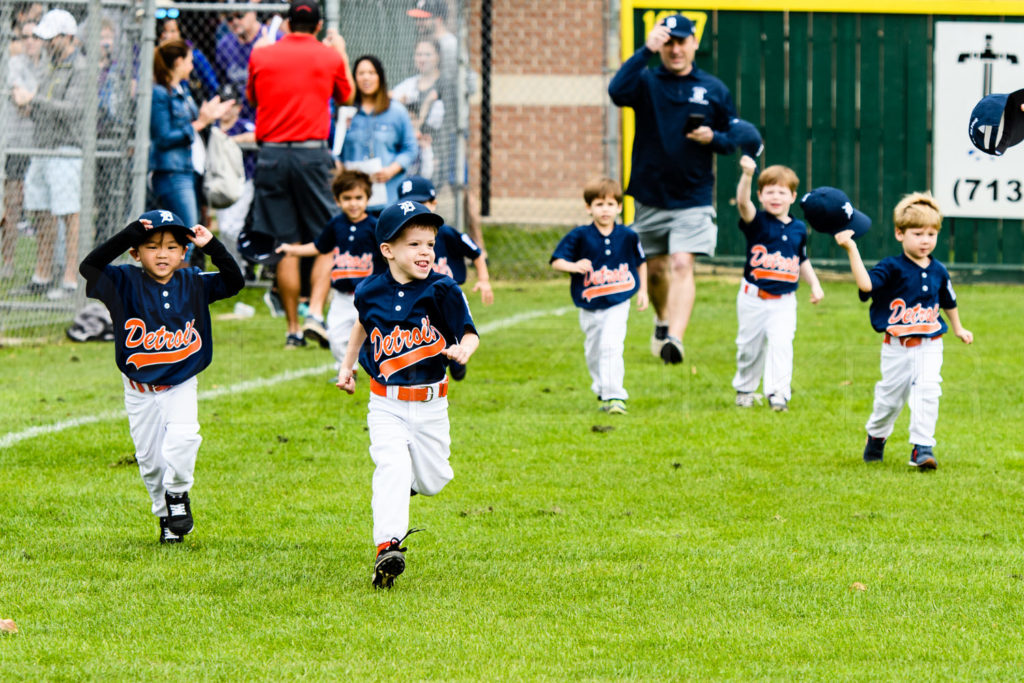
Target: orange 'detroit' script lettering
605 282
349 267
161 346
402 348
913 320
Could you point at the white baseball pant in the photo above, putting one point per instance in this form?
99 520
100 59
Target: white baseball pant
165 428
410 445
604 342
909 375
340 319
764 342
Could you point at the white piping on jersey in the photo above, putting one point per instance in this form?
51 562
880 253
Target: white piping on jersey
11 438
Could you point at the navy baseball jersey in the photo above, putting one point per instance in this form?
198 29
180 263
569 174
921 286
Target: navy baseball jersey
614 258
162 332
451 249
408 326
906 298
775 251
356 255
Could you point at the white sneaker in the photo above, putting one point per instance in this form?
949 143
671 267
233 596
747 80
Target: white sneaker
778 404
747 399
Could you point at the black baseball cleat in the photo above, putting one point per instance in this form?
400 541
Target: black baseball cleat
922 458
390 561
874 449
166 535
457 371
179 513
672 351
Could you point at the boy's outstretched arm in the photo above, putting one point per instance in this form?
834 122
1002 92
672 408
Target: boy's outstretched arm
483 280
346 375
641 295
581 267
461 351
844 238
100 257
808 275
965 335
307 249
746 207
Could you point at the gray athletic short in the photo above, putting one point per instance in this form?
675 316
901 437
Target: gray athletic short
292 199
670 231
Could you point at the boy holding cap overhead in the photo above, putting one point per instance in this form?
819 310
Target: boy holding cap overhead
907 293
412 323
162 340
766 303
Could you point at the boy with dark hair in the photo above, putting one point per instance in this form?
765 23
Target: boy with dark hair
162 340
349 239
608 266
766 303
412 322
906 293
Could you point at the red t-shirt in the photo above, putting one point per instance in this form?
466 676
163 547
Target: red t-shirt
291 83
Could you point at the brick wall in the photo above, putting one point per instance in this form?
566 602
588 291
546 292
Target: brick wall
548 103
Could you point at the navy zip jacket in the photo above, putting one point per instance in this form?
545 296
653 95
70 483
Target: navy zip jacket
669 171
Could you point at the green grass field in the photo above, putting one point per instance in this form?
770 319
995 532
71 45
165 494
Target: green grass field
691 540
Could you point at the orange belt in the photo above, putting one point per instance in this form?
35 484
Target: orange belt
143 388
411 393
908 342
761 294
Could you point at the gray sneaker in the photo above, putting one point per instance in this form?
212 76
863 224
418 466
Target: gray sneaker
658 338
747 399
778 404
922 458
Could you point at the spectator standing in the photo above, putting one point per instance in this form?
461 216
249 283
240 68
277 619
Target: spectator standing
174 126
381 140
204 77
234 50
421 95
291 83
432 23
681 115
25 70
53 186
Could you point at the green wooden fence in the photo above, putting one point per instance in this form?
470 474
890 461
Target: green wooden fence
798 77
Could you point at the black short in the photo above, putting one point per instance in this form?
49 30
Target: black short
293 200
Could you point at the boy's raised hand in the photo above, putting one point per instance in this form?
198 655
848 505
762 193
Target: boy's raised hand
203 236
748 164
844 238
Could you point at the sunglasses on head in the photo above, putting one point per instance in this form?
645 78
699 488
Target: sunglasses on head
171 13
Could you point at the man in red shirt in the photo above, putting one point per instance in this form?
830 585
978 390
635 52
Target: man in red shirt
290 84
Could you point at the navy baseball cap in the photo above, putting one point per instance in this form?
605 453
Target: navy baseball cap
746 136
163 219
400 214
258 247
829 210
997 122
416 188
679 26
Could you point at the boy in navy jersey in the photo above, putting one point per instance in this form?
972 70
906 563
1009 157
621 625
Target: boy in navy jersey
451 250
608 266
906 293
349 239
766 303
162 340
412 323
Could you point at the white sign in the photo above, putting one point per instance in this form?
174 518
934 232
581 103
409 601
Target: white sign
973 60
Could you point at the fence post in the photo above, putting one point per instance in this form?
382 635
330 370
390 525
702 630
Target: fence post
87 212
143 108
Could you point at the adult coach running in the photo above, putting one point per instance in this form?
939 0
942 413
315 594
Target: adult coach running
290 84
681 113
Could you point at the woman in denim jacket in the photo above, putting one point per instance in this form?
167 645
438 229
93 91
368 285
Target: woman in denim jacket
381 129
174 123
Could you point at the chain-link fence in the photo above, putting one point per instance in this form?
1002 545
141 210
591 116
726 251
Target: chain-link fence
508 101
66 131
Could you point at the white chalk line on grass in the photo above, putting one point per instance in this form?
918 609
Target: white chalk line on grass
11 438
